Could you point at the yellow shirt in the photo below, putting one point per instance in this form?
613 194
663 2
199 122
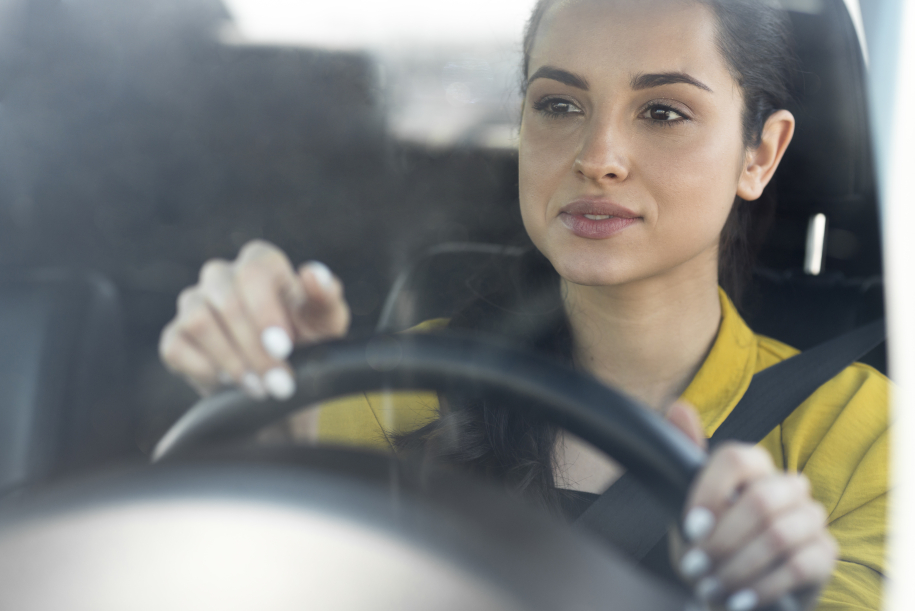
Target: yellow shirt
838 438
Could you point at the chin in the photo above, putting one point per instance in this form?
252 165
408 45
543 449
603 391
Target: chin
593 262
603 263
592 271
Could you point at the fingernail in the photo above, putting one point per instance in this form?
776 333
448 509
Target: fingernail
277 342
745 600
695 563
322 274
708 589
251 384
279 383
225 378
698 523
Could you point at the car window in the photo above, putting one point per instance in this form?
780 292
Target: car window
143 141
140 140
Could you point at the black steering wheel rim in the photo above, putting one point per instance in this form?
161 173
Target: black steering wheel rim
659 455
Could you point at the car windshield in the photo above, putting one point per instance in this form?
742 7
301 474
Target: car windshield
462 171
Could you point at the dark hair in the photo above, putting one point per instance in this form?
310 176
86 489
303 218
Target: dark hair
503 444
519 301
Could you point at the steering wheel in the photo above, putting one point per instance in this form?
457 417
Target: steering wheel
203 532
662 458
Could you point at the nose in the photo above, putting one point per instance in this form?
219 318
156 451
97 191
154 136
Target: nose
602 156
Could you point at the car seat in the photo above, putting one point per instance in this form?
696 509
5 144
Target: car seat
60 362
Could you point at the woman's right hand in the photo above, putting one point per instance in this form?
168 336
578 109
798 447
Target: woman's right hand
239 323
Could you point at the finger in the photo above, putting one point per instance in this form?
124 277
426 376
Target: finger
808 567
261 325
325 313
269 291
198 323
217 287
728 470
789 532
181 356
759 505
685 417
263 373
212 314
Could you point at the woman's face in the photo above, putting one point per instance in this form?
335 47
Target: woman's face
631 141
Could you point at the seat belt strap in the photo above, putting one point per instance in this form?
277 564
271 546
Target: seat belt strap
775 392
628 516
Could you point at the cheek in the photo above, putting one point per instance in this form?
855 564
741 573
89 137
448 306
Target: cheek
693 183
544 160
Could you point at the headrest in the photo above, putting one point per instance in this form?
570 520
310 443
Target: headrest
829 167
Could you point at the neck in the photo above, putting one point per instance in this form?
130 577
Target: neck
647 338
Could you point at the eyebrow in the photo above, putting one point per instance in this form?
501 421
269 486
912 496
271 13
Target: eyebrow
637 82
647 81
563 76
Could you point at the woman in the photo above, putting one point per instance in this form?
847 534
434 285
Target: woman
649 128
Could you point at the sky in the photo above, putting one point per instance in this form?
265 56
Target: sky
351 24
380 24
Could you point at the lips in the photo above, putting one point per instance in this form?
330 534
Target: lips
596 219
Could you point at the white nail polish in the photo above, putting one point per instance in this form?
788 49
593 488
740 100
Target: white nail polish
698 523
279 383
251 384
695 563
277 342
745 600
708 588
322 274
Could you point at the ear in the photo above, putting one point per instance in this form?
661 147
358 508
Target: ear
762 161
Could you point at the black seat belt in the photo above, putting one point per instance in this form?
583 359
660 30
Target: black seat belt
630 518
777 391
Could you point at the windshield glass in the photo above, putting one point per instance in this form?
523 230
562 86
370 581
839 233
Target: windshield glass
663 198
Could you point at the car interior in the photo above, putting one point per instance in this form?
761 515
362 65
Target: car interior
136 145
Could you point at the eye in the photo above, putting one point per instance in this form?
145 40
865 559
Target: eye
556 107
660 113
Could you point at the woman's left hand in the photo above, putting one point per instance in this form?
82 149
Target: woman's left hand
753 533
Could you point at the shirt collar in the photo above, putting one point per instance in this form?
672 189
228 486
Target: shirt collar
726 373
